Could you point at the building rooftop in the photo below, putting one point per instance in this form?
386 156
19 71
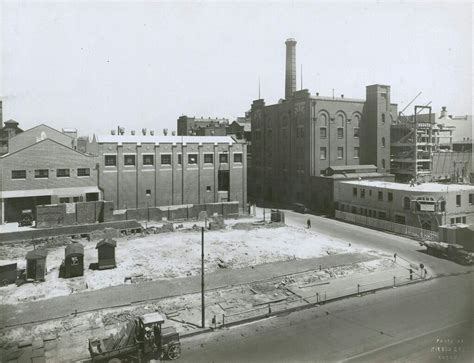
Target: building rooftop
425 187
141 139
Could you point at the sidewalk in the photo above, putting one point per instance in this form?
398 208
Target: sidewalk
116 296
355 284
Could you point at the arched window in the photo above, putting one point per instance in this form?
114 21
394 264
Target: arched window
323 119
340 120
383 118
383 141
383 163
406 203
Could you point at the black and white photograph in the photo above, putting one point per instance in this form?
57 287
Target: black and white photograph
236 181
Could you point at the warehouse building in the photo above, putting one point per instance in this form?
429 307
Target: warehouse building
139 171
425 206
295 140
45 172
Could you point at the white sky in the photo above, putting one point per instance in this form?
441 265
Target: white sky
94 65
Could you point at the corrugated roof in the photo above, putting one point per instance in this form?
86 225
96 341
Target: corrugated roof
37 254
74 249
142 139
107 242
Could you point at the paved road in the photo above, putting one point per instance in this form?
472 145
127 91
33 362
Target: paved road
390 243
403 324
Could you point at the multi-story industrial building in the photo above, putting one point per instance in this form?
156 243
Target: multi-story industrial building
426 206
193 126
45 172
295 140
138 171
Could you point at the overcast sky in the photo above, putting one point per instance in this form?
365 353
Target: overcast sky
96 65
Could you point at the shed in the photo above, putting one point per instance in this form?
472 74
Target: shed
106 253
74 260
36 264
8 272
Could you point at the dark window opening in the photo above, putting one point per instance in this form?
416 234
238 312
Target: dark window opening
83 172
406 203
458 200
390 197
18 174
208 188
192 159
223 180
208 159
148 159
340 133
165 159
223 158
237 158
110 160
354 192
380 196
129 160
41 173
62 173
180 159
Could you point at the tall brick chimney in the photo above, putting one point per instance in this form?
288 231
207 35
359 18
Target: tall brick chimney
290 75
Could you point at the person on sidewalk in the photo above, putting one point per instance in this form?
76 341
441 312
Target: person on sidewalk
308 222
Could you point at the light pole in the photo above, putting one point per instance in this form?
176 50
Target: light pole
203 310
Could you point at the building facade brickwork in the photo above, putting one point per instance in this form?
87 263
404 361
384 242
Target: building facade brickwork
142 171
45 172
296 139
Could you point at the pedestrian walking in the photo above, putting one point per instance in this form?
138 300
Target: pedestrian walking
426 273
308 222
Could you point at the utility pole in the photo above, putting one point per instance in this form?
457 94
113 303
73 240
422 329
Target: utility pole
203 310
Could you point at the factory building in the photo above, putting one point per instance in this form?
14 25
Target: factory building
295 140
139 171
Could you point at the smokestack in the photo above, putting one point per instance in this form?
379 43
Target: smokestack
290 75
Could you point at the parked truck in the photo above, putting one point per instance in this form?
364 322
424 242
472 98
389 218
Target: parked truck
140 340
450 251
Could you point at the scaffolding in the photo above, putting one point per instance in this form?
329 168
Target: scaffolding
414 139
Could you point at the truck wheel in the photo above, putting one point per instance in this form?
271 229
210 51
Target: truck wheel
174 351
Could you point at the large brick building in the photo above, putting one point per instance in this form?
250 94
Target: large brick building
296 139
138 171
45 172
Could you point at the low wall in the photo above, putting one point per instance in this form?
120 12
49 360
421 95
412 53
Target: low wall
35 233
68 214
180 212
417 233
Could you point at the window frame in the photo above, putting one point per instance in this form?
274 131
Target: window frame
341 149
86 170
323 135
191 155
125 156
226 158
340 132
145 156
108 156
19 178
38 176
321 154
164 156
63 176
207 155
241 158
